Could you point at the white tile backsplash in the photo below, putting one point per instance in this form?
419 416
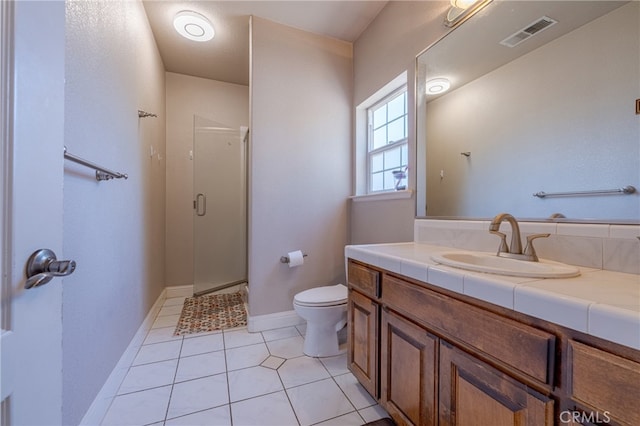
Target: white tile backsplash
599 246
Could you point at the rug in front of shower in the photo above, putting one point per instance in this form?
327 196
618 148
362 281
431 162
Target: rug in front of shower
211 312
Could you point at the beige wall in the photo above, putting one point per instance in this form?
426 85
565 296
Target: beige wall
225 103
301 93
114 230
387 48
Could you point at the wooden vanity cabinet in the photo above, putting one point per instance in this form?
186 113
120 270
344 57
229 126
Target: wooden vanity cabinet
408 371
433 358
472 392
363 321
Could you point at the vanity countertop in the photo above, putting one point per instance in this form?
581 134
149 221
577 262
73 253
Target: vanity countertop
601 303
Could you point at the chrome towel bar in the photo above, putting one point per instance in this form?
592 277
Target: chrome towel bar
101 172
626 190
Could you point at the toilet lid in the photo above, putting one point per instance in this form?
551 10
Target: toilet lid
322 296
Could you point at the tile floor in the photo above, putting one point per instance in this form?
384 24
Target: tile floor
236 378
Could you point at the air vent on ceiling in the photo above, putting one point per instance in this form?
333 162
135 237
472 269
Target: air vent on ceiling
528 31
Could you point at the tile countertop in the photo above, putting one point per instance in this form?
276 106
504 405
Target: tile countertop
601 303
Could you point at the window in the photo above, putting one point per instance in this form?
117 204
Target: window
387 147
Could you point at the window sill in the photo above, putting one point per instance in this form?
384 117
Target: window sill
391 195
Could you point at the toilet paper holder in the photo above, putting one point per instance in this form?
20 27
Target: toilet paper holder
285 259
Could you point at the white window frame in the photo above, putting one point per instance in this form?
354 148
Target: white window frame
405 141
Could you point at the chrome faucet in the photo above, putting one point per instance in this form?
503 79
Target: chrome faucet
515 249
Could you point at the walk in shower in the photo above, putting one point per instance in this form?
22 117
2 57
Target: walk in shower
220 205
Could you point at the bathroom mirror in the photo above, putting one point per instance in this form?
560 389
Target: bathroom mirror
552 109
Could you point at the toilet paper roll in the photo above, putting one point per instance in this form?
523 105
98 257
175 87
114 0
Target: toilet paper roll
296 258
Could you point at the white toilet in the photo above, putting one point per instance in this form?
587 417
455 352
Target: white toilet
325 310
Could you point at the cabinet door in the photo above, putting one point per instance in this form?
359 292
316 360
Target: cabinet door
474 393
605 385
408 358
362 338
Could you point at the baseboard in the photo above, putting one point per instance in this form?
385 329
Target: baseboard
270 321
179 291
102 401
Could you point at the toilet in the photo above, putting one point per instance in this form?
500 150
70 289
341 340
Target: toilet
325 310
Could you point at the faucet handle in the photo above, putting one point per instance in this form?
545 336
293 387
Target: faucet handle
503 248
529 249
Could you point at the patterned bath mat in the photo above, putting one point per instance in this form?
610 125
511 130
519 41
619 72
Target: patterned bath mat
211 312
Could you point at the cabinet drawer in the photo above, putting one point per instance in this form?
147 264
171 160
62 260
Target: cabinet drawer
523 348
606 382
364 279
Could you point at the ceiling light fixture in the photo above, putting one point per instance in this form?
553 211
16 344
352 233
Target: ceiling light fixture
461 10
435 86
193 26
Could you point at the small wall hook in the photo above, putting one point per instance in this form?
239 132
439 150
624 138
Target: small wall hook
466 153
145 114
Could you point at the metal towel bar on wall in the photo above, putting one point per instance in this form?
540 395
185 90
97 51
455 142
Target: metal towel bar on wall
101 172
626 190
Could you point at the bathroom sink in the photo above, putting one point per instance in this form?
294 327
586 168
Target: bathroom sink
490 263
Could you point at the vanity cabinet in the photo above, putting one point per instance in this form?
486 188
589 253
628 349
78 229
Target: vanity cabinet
430 356
473 392
408 371
363 314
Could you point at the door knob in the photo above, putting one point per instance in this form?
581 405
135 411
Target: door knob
43 266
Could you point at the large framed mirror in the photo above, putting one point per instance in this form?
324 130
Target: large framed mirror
542 99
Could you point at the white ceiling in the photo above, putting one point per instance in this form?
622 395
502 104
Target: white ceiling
226 57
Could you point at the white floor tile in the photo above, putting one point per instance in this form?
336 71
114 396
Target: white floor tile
246 356
337 365
158 352
287 348
318 401
197 395
219 416
351 419
241 337
149 376
268 410
280 333
373 413
138 408
166 321
252 382
359 397
273 362
157 335
302 370
196 366
170 310
202 344
174 301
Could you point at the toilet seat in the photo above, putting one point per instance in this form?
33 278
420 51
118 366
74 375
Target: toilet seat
322 296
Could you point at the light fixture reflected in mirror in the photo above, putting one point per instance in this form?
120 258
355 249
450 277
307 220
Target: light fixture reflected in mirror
462 10
435 86
193 26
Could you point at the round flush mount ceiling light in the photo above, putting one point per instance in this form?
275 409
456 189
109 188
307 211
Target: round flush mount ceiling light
193 26
436 86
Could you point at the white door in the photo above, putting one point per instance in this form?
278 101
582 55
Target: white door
31 169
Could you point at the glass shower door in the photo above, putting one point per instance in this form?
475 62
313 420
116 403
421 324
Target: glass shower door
220 206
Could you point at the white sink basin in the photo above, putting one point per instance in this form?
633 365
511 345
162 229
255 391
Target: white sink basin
490 263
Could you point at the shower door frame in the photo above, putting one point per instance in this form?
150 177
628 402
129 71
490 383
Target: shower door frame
202 283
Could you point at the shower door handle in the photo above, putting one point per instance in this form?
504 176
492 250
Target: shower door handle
201 204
